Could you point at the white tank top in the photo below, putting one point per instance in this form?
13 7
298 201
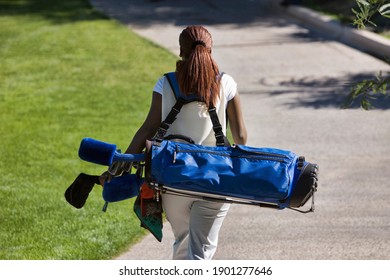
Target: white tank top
194 120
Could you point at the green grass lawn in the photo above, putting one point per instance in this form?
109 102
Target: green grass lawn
66 72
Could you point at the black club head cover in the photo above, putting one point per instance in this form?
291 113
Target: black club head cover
77 193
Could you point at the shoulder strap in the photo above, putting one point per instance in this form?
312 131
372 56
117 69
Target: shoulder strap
171 77
181 100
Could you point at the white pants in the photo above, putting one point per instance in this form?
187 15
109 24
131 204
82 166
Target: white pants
195 224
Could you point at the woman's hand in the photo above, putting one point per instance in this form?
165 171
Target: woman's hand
105 177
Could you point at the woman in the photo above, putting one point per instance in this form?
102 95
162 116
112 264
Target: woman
195 223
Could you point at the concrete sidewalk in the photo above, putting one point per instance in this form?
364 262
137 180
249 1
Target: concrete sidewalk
363 40
292 80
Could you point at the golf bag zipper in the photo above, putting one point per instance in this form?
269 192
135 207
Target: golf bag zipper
254 156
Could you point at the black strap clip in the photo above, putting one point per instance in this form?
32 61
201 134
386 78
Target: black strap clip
301 162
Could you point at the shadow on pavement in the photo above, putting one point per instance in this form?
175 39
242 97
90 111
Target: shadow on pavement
327 92
145 13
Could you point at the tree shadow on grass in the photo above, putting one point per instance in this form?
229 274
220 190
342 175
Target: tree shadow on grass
327 92
57 11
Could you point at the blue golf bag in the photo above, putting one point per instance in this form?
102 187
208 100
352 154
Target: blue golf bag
266 177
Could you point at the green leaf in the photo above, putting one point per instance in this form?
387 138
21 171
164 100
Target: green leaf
384 7
372 23
385 10
363 2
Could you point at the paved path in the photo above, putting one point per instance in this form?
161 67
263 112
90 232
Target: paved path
292 81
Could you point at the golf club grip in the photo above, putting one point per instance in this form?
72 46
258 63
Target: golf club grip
128 157
103 153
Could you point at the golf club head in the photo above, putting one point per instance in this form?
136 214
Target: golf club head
77 193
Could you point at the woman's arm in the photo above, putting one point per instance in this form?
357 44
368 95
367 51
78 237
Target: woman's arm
236 120
146 131
148 128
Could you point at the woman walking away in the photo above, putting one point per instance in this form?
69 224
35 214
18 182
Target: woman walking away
196 223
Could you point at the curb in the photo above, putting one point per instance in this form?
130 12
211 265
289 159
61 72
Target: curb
363 40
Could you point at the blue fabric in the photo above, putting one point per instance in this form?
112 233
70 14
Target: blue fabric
259 174
266 175
121 188
95 151
103 153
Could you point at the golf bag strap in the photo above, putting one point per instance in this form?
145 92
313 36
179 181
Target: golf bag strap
182 100
217 127
165 124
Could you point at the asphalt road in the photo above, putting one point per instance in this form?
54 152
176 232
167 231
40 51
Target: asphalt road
292 80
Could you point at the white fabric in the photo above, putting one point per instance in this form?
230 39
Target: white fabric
194 120
195 225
